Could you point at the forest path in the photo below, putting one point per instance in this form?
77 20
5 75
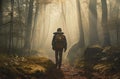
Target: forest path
72 72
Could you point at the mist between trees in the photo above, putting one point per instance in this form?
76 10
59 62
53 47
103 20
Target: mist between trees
30 24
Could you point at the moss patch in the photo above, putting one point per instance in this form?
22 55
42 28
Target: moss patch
24 67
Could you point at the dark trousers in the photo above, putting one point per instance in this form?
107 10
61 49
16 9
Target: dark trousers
58 57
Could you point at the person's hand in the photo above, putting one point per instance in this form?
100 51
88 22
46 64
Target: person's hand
65 49
53 48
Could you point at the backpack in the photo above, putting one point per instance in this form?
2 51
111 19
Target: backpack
59 41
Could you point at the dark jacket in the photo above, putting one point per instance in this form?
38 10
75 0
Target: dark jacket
55 44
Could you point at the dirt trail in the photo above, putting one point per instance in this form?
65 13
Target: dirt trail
72 73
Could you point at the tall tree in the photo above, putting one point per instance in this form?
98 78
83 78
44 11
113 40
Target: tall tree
20 31
114 20
81 40
104 23
1 17
1 1
28 29
35 22
117 19
93 22
11 27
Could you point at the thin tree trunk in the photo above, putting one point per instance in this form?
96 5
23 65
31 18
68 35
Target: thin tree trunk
1 16
114 17
29 26
44 25
20 39
11 28
104 23
93 23
117 20
27 3
1 11
81 40
17 38
35 22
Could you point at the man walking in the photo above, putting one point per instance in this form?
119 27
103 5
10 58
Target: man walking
59 44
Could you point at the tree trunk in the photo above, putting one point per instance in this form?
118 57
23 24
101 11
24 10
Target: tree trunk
93 23
19 13
1 18
11 27
28 29
1 10
117 20
104 23
81 40
35 23
44 27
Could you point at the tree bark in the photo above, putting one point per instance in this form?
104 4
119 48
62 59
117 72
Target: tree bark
28 29
117 20
93 33
35 23
1 11
11 27
81 40
104 23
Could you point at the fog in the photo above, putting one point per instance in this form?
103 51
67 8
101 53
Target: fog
84 23
52 16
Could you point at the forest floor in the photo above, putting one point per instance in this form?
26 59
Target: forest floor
72 73
69 72
98 63
43 68
19 67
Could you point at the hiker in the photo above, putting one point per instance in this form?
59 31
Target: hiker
59 44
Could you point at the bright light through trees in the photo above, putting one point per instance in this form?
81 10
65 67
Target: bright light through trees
53 16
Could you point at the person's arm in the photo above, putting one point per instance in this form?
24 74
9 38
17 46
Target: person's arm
53 42
65 46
